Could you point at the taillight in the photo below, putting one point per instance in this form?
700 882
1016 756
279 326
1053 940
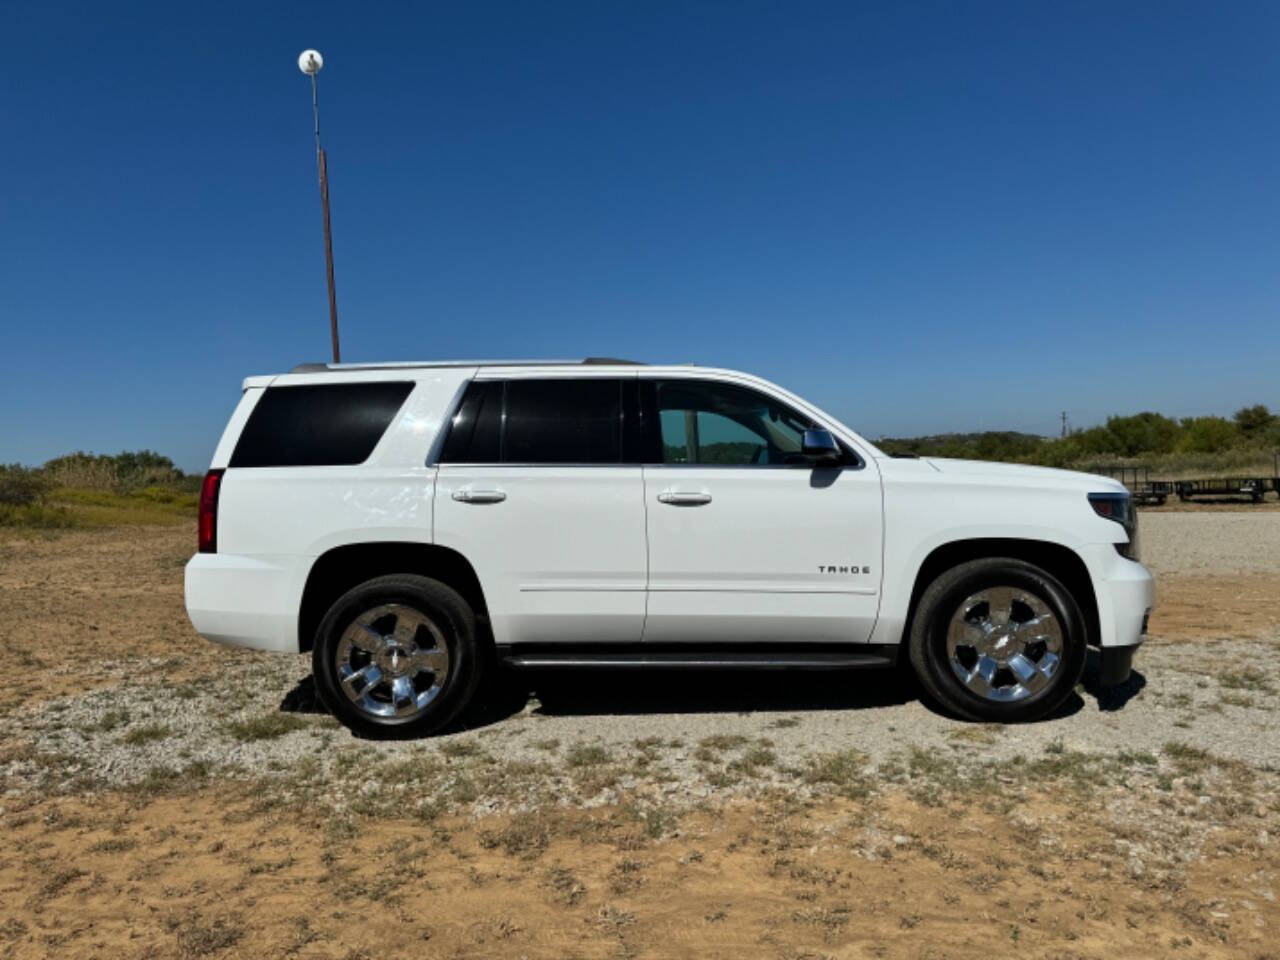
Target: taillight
208 521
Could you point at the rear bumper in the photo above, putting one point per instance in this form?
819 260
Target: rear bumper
246 601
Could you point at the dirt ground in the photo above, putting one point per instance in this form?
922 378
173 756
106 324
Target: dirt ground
162 797
211 874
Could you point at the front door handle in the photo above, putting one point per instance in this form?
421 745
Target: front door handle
466 495
678 499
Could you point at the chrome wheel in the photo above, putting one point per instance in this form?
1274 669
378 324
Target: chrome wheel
392 661
1004 644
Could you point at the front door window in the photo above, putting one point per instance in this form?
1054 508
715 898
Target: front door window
721 424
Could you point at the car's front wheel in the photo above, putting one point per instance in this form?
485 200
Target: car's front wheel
397 656
998 639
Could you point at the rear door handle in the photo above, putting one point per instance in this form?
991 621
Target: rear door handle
466 495
678 499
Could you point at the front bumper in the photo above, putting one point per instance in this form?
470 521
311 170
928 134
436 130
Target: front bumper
1117 664
1125 592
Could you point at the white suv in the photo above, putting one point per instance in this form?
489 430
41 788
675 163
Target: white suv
413 525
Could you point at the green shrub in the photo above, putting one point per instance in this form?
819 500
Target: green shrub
1259 425
1207 435
36 516
1142 433
21 486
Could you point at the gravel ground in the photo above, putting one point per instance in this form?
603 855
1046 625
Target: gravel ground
680 739
795 717
1211 542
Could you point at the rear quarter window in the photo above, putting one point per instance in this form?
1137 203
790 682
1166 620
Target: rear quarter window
332 424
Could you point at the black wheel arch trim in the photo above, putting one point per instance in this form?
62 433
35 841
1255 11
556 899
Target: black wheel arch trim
339 569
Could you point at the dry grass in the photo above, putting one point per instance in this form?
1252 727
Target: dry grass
151 506
586 755
65 508
845 772
1248 678
149 733
266 727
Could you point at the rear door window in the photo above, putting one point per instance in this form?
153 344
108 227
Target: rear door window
554 421
562 421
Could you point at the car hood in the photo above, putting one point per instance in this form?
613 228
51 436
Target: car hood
1022 473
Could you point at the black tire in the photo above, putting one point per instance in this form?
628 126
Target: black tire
927 642
445 608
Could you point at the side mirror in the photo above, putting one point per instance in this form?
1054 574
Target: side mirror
821 446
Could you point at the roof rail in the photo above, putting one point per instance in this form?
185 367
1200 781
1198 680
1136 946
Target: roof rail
344 367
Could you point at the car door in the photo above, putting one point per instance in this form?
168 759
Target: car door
531 490
750 541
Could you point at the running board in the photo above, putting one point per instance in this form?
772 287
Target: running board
702 658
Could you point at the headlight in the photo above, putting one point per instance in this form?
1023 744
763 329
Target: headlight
1119 507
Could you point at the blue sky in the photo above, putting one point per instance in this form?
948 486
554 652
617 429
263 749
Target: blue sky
922 216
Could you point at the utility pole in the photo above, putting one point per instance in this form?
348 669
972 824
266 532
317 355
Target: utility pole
310 62
1064 424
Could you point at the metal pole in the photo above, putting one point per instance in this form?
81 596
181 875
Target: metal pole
328 233
328 260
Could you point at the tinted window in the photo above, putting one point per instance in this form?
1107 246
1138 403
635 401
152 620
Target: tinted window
707 423
321 425
474 431
562 421
537 421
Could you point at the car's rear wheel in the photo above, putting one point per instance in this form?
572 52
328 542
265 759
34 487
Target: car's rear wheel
998 639
397 656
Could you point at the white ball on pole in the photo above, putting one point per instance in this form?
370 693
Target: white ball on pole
310 62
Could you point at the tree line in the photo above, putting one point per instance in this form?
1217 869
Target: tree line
1132 438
